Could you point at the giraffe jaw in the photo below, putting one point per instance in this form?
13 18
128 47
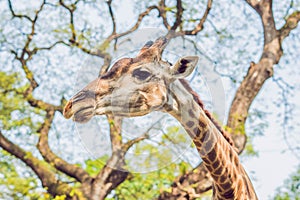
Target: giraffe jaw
121 111
83 110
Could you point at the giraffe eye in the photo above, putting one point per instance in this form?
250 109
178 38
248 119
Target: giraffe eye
140 74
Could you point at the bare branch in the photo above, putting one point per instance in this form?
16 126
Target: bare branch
41 104
25 50
145 135
43 146
179 12
137 24
29 76
130 143
38 11
291 23
113 22
36 49
199 26
31 34
112 16
17 15
71 10
163 14
115 125
101 50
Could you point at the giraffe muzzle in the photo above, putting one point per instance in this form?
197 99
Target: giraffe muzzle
81 107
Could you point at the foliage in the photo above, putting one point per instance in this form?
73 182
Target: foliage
14 109
149 186
16 181
291 188
17 185
42 37
94 166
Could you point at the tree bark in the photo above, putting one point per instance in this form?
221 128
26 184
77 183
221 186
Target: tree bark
199 181
188 186
42 169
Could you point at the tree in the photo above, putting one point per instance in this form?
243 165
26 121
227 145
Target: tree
33 49
290 189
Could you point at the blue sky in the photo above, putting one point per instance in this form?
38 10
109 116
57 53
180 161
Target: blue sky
274 162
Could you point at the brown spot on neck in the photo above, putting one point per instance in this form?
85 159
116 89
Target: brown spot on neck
190 124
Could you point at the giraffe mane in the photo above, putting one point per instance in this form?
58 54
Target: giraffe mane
208 114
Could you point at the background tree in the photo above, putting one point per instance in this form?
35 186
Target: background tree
291 188
40 46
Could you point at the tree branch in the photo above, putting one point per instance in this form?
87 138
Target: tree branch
255 4
163 13
113 21
36 49
264 9
199 26
126 146
252 83
179 12
111 16
137 23
115 126
41 169
199 181
71 8
258 73
290 24
25 51
111 175
130 143
43 146
17 15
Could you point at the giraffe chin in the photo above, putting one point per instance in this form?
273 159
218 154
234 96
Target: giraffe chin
83 116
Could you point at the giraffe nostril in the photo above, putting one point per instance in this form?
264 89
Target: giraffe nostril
67 110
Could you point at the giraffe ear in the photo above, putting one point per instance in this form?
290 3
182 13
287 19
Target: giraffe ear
184 66
146 47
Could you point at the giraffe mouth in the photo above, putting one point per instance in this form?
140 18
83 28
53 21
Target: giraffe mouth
84 114
81 114
80 108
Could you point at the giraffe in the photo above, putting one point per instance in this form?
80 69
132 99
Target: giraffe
137 86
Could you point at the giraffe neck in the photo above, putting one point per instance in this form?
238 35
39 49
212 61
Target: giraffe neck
230 180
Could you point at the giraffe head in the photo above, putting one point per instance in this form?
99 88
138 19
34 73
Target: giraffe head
132 87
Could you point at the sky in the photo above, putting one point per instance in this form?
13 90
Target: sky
274 162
